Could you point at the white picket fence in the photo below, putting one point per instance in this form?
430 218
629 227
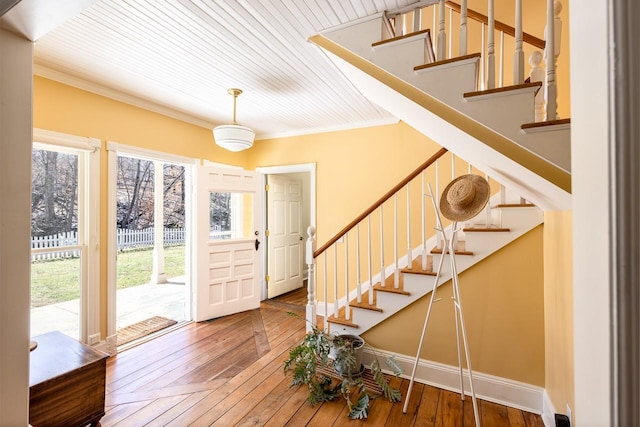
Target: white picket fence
125 239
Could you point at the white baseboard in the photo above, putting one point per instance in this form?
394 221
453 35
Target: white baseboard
548 411
495 389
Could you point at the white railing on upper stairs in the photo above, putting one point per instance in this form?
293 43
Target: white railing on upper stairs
374 247
423 14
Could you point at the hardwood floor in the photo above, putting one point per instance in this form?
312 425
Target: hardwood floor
228 372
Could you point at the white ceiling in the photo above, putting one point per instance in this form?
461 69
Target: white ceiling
179 57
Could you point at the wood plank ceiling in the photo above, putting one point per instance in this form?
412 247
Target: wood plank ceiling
180 56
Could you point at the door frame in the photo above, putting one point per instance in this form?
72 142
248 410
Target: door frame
113 150
281 170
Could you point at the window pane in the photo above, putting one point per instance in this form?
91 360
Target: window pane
230 215
54 195
55 295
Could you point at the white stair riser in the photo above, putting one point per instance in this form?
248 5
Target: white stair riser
399 59
504 114
358 37
437 81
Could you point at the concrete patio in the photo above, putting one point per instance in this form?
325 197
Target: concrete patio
133 305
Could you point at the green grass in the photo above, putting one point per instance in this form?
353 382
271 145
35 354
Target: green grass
58 281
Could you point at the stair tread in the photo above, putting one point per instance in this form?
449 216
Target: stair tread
536 85
494 229
457 252
365 302
516 205
341 320
416 268
398 38
390 289
546 123
446 61
389 286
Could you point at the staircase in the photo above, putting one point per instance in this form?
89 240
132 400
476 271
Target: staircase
497 130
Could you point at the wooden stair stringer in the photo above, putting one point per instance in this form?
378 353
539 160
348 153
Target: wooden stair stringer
416 284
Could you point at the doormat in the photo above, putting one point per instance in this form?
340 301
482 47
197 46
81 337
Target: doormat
143 328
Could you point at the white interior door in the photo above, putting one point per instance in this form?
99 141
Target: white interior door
227 266
286 240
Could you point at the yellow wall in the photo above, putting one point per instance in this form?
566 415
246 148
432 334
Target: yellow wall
503 308
353 168
558 308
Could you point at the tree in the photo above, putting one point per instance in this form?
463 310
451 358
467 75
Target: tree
54 198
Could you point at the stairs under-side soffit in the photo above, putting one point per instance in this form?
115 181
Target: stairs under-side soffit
442 101
507 223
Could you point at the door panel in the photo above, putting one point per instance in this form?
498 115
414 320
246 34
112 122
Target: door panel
227 261
285 241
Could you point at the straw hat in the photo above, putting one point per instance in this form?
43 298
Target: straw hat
464 197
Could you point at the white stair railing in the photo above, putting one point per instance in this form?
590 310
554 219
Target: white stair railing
489 72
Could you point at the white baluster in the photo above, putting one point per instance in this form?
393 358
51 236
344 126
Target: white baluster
382 275
358 281
487 210
483 57
325 289
311 279
347 309
438 239
433 26
396 270
409 251
369 257
450 42
442 37
336 304
491 60
501 61
463 28
417 19
453 166
518 56
424 223
554 24
537 74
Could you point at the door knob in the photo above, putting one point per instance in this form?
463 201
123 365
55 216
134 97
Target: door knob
257 244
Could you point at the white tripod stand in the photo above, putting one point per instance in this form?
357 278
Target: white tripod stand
448 247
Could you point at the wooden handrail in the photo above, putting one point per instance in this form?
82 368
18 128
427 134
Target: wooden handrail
380 201
500 26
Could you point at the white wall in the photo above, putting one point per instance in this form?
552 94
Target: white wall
16 93
590 143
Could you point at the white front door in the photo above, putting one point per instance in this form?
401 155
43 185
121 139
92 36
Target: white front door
227 267
285 241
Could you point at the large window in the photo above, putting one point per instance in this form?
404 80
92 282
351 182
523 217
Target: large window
64 221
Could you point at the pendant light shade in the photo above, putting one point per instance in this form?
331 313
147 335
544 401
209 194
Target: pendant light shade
234 137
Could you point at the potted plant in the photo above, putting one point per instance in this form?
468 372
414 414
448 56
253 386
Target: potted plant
329 365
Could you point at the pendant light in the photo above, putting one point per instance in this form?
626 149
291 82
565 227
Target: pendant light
234 137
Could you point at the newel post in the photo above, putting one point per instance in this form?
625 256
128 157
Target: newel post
311 278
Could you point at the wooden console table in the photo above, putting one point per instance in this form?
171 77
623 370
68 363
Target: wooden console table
67 382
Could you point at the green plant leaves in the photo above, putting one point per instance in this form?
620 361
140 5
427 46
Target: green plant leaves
319 349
